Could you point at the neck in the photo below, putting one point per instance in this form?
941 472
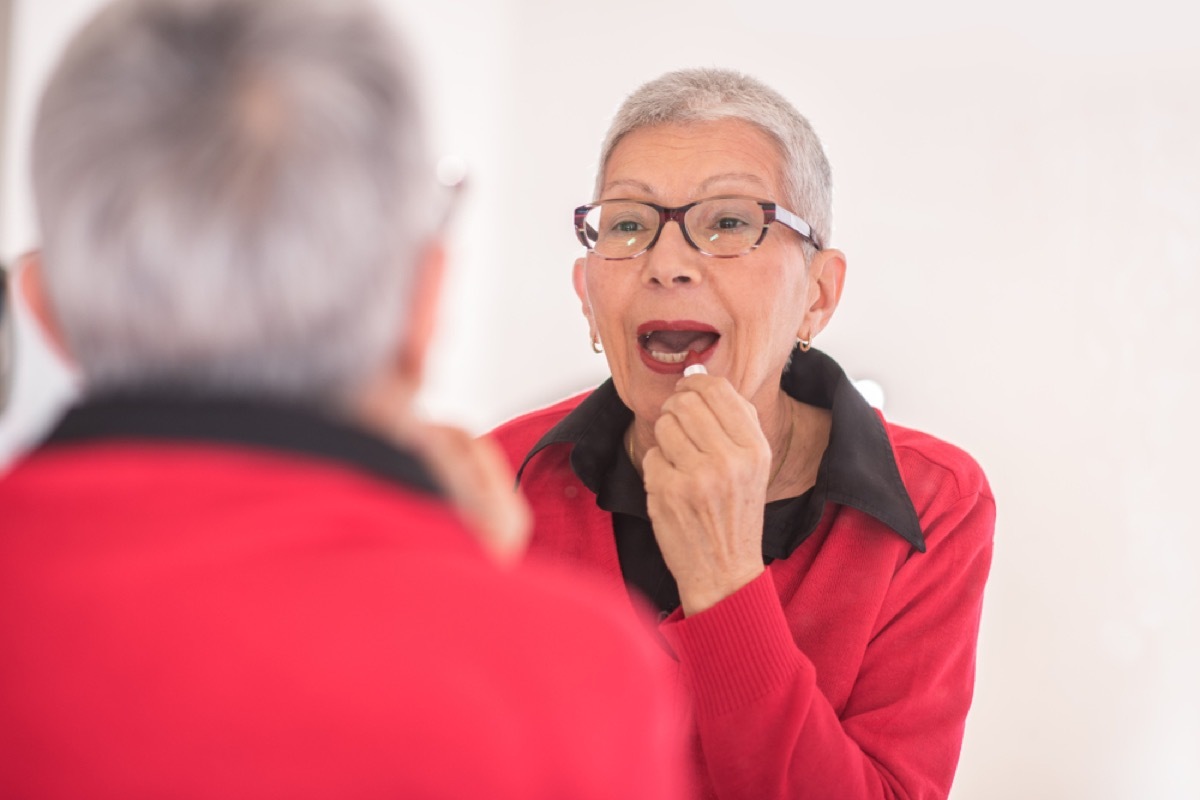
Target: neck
811 435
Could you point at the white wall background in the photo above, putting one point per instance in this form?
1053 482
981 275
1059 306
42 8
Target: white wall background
1018 192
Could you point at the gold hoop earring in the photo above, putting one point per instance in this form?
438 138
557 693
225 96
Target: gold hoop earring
804 344
596 348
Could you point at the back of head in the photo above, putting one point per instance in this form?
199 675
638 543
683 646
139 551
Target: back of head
704 95
232 195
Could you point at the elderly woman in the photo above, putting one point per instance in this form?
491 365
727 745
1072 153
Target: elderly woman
819 571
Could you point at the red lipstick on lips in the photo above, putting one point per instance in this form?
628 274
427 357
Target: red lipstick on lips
697 339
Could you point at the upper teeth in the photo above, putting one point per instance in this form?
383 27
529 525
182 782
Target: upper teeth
669 358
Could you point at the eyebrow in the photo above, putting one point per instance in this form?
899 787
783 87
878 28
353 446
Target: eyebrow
732 176
641 186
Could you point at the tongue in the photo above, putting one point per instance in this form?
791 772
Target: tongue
678 341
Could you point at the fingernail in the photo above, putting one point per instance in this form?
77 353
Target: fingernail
694 369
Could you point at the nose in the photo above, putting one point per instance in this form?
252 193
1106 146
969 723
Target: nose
672 261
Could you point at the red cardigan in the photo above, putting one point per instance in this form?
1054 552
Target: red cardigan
183 618
846 670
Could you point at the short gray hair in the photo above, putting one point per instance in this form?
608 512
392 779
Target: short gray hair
233 195
705 95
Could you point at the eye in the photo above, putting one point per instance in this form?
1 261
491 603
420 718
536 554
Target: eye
725 216
724 222
628 226
728 223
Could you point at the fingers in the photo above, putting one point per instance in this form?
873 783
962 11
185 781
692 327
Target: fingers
737 416
656 467
708 443
707 416
676 442
479 483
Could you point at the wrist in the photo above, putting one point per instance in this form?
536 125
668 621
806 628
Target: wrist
696 596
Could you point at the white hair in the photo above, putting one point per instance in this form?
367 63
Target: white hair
233 195
704 95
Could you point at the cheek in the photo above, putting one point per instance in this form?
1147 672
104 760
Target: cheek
604 299
792 296
770 312
765 297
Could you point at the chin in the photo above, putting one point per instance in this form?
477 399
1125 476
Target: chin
644 395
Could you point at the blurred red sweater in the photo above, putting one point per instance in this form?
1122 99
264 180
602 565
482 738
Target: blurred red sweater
249 602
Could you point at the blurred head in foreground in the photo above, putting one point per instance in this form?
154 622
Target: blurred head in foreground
236 198
240 566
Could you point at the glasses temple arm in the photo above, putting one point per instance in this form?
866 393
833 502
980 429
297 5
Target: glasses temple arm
798 225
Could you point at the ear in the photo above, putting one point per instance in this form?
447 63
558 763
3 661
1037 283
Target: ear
826 277
424 299
30 283
579 278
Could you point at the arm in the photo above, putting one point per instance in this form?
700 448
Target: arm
766 729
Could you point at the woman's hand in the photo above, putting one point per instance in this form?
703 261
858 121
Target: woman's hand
479 483
706 484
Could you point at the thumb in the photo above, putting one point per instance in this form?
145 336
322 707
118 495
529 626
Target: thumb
479 483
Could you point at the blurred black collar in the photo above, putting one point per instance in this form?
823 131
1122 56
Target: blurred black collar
264 425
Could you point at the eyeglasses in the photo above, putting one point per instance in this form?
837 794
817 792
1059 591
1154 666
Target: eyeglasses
721 227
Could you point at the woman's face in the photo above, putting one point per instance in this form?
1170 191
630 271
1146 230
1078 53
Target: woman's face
738 316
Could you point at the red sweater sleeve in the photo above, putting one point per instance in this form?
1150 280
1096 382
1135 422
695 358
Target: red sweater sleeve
767 731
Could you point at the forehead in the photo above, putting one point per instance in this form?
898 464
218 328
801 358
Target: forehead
676 163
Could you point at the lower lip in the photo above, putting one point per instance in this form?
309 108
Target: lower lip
676 369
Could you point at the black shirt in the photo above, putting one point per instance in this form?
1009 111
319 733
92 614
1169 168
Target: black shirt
857 469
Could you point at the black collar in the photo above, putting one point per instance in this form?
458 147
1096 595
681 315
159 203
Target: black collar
255 424
858 468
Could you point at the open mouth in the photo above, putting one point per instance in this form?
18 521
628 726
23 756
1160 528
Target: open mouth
671 346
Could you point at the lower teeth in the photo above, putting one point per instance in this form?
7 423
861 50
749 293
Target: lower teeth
669 358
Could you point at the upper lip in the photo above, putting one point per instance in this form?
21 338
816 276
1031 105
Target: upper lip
674 325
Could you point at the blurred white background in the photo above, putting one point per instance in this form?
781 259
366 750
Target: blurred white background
1018 194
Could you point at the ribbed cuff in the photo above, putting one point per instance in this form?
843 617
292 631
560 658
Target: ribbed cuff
738 650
